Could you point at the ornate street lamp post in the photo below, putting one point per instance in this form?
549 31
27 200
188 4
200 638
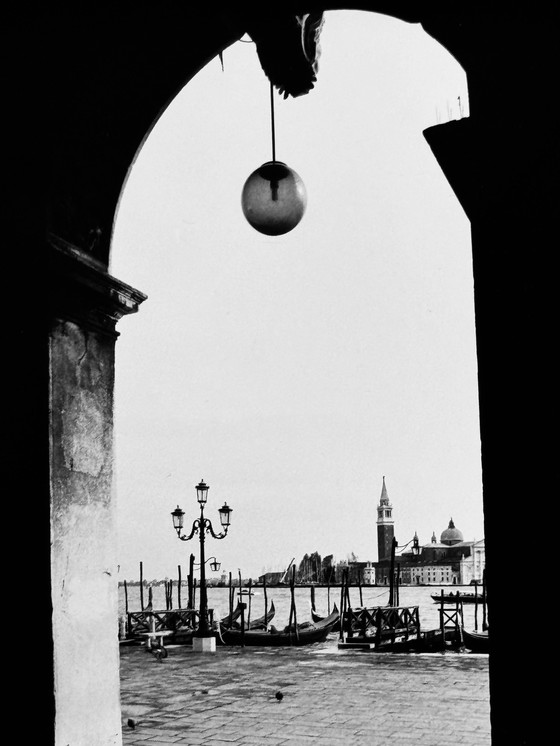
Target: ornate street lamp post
203 639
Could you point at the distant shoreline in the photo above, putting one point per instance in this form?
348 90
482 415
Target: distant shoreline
296 585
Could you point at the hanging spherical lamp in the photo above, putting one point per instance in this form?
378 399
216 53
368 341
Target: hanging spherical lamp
273 197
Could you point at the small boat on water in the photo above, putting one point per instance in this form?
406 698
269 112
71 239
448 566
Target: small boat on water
233 617
476 641
302 634
466 598
318 618
183 635
261 623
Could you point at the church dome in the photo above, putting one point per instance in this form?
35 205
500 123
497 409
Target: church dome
451 535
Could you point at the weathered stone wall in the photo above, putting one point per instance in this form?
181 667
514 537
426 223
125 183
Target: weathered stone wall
83 536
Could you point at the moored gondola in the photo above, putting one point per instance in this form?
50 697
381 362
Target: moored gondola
301 634
318 618
476 641
183 635
261 623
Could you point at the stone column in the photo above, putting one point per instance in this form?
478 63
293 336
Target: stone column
86 304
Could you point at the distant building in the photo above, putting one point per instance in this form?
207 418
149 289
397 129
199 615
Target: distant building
385 526
271 578
368 577
451 561
358 572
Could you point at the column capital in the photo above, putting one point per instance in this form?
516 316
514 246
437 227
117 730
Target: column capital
82 290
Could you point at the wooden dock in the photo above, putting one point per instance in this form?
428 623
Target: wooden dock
380 626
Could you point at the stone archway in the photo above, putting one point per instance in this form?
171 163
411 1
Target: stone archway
108 79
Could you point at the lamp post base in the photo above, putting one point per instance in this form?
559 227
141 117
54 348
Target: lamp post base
204 644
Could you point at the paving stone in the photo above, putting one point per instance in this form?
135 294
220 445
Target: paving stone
330 697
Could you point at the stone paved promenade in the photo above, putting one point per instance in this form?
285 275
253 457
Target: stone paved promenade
330 697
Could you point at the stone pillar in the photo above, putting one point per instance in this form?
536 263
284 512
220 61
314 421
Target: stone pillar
86 304
505 193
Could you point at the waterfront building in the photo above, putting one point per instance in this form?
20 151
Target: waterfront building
368 577
385 526
472 567
449 561
428 573
355 571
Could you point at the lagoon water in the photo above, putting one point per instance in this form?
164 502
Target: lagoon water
218 599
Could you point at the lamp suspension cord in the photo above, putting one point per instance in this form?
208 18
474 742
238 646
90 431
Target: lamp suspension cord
272 122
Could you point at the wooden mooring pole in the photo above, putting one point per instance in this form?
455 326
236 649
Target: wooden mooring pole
342 609
190 581
484 621
293 605
126 608
243 605
475 605
441 620
392 574
348 605
179 583
141 586
249 606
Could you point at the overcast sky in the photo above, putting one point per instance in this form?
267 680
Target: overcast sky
292 373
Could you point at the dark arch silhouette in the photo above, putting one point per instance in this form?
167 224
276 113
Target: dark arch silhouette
89 85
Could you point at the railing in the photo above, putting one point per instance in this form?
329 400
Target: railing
451 618
140 622
381 623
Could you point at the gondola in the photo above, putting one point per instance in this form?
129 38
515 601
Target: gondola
307 633
356 627
466 598
260 623
318 618
475 641
184 635
230 619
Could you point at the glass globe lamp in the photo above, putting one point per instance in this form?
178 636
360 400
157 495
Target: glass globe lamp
274 199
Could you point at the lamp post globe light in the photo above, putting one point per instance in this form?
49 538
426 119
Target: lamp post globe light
203 640
274 199
274 196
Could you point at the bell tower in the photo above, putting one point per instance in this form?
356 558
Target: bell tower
385 526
